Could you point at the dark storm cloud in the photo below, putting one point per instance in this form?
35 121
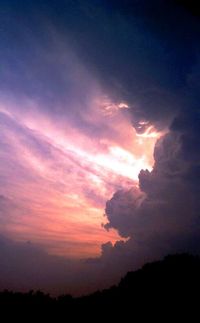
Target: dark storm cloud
167 220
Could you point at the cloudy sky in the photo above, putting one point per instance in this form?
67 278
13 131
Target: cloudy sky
99 139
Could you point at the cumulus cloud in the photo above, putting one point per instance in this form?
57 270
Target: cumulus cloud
167 218
120 217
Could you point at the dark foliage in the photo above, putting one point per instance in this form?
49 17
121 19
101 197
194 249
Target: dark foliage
166 289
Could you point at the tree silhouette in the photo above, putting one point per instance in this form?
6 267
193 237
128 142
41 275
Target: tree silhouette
170 287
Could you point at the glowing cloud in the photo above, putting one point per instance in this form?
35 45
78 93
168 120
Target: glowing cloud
60 204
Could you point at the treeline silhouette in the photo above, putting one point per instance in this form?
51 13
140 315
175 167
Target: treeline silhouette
169 288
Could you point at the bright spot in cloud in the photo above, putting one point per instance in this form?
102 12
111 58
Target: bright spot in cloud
122 162
149 132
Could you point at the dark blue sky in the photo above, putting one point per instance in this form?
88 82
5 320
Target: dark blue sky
141 50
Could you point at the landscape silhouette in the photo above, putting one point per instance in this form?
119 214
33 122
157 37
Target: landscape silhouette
161 289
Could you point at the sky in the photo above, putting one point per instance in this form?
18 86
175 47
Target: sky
99 139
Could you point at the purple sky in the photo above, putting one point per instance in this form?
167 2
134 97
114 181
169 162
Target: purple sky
99 140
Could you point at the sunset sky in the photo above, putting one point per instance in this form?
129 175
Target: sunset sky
99 139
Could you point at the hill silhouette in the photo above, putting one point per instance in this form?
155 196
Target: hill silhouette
169 288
